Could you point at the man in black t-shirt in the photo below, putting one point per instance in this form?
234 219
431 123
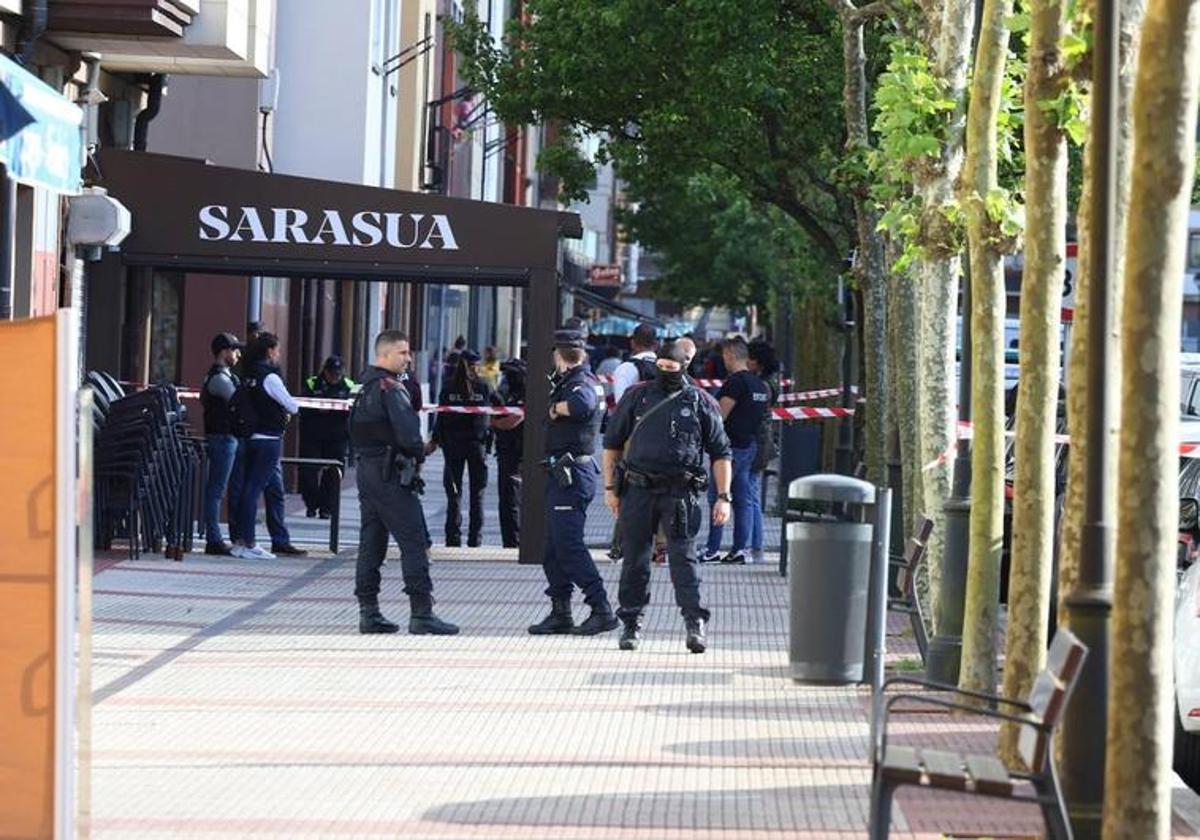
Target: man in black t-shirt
744 400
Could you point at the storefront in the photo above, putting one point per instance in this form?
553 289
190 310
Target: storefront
218 227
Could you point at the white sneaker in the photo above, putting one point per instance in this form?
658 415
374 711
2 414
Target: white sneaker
709 556
756 556
253 552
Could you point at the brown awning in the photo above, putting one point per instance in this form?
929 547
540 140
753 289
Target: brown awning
190 214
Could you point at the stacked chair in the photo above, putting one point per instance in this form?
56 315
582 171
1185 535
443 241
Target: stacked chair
148 469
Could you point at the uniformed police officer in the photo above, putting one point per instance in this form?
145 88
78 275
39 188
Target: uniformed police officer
387 442
510 432
665 427
323 434
462 438
570 442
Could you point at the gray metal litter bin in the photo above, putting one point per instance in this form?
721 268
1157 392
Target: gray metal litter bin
829 573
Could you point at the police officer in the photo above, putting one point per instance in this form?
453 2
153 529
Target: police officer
386 433
665 428
462 438
323 434
570 441
510 432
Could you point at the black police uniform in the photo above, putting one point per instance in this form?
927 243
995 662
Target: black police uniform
569 490
664 475
510 445
323 434
462 438
386 433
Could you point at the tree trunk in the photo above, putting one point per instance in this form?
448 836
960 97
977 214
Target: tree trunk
949 48
1137 801
1037 408
1077 397
987 338
902 324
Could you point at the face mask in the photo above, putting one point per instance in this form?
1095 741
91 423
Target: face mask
672 380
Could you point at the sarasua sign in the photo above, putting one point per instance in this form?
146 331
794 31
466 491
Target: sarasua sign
191 215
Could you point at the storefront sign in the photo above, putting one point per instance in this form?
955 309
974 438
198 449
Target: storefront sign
605 275
366 228
45 151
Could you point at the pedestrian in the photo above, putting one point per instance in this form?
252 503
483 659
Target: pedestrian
221 444
268 408
664 428
743 399
323 434
462 438
571 429
386 433
639 367
763 363
509 430
609 362
489 368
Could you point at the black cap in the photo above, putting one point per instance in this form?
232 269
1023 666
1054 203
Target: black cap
514 364
226 341
577 323
470 356
569 338
645 335
333 363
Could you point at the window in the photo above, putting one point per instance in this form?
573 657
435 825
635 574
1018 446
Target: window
1193 260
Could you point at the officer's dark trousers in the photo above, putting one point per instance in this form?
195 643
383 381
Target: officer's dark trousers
388 508
566 559
318 485
508 478
642 510
459 455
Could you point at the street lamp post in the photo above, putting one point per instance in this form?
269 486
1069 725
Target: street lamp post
1089 604
844 453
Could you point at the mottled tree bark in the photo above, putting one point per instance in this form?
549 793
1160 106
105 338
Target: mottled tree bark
978 670
1137 798
1037 408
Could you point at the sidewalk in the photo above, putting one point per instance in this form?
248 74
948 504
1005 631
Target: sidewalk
235 699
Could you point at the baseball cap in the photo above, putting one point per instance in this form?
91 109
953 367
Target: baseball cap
226 341
470 356
569 338
333 363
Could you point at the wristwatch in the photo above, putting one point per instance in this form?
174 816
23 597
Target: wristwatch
724 497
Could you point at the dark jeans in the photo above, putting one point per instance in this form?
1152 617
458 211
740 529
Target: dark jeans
273 500
508 479
319 485
387 508
222 455
747 504
260 464
642 513
460 455
566 559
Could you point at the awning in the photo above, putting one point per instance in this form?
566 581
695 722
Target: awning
41 131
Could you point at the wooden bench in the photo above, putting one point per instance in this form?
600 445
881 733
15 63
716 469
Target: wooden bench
906 574
984 775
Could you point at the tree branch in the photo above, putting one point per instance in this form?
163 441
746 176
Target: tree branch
878 8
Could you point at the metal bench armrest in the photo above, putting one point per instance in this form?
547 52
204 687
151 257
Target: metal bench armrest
960 707
937 686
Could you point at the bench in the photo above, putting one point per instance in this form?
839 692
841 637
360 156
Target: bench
906 574
983 775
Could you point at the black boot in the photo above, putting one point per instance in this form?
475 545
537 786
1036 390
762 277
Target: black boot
631 633
371 620
557 622
601 620
423 622
697 642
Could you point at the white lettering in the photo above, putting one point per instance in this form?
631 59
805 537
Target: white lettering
213 222
393 229
290 222
251 223
441 229
367 224
332 226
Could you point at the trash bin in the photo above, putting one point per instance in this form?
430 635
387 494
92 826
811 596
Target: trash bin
829 573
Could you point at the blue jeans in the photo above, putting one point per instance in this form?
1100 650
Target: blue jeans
260 461
273 499
222 454
747 504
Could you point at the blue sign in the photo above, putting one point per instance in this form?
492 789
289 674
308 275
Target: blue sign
40 129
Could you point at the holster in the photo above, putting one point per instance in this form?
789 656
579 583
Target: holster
560 470
620 479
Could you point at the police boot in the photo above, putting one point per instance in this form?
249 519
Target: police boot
371 620
697 642
631 633
423 622
557 622
601 620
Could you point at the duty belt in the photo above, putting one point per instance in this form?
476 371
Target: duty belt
579 459
687 482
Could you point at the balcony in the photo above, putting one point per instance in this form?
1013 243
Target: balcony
190 37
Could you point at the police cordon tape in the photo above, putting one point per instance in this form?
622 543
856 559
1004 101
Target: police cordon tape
779 413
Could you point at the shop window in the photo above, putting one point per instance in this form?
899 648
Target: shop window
166 319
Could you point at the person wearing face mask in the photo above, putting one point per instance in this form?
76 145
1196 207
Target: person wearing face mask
664 427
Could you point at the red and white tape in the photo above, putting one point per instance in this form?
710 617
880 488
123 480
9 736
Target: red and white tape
819 394
805 413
